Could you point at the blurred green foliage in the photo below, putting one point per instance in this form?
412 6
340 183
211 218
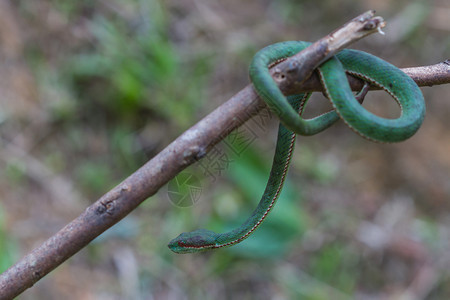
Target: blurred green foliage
15 172
134 67
8 248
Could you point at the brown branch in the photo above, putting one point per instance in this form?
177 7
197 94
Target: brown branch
185 150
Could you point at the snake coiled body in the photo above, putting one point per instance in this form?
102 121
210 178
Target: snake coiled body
289 110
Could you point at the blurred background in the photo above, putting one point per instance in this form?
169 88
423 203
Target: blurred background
91 90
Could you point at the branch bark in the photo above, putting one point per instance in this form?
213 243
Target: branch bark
191 146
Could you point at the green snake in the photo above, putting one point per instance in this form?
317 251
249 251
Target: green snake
289 110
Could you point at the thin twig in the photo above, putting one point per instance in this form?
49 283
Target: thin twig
191 146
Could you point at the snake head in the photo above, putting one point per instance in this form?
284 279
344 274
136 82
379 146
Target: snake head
194 241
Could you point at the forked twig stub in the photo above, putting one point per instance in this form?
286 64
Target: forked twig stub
191 146
300 66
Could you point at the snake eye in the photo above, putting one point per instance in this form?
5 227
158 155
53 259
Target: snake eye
279 76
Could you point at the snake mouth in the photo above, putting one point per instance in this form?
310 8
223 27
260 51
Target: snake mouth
196 241
196 246
182 247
